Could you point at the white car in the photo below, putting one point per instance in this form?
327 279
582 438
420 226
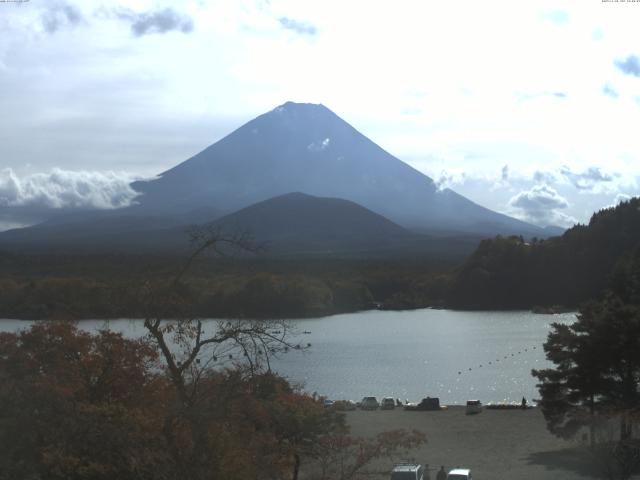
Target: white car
369 403
459 474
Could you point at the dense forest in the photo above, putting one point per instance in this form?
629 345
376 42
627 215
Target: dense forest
503 273
101 286
511 273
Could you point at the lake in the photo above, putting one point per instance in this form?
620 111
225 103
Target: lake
412 354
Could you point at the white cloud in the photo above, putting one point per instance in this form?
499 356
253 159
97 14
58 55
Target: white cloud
66 189
448 179
619 198
587 180
541 205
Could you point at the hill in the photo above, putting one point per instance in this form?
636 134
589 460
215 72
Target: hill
296 222
507 272
293 224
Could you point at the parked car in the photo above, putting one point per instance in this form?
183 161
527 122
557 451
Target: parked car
473 406
369 403
459 474
328 403
407 471
428 403
387 403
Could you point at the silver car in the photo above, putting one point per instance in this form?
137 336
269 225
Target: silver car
369 403
387 403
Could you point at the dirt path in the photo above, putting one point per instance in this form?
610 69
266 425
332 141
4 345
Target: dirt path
495 444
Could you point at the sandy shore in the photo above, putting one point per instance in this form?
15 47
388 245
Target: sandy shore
494 444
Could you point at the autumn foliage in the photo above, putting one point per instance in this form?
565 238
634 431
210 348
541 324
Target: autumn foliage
79 405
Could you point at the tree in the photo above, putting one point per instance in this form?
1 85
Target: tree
597 362
76 406
596 379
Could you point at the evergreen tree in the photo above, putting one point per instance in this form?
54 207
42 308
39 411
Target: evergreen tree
597 360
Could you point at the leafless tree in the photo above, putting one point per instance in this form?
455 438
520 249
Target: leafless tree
190 346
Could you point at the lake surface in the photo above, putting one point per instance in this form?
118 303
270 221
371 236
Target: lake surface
408 355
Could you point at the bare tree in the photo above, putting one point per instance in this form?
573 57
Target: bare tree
191 347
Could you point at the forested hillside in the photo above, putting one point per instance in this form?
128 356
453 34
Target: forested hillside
110 286
509 272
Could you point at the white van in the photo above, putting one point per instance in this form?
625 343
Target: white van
459 474
407 471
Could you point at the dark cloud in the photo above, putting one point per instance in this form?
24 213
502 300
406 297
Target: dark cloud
629 66
299 27
159 21
59 15
609 91
541 206
586 180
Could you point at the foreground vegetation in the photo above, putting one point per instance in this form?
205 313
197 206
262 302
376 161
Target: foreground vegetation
76 405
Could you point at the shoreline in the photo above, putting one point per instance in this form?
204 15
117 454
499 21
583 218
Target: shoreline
320 317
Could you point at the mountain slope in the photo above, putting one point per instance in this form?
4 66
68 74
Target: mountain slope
307 148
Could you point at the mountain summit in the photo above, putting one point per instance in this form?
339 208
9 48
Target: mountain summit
299 147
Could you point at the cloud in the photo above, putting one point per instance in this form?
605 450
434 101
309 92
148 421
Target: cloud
159 21
533 96
586 180
541 205
619 198
629 66
302 28
609 91
449 179
557 17
504 173
544 177
66 189
59 15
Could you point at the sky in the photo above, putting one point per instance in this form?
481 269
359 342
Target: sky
530 108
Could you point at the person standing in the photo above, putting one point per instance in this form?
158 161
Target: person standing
442 475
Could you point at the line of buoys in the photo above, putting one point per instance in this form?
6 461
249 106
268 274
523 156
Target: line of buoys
519 352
